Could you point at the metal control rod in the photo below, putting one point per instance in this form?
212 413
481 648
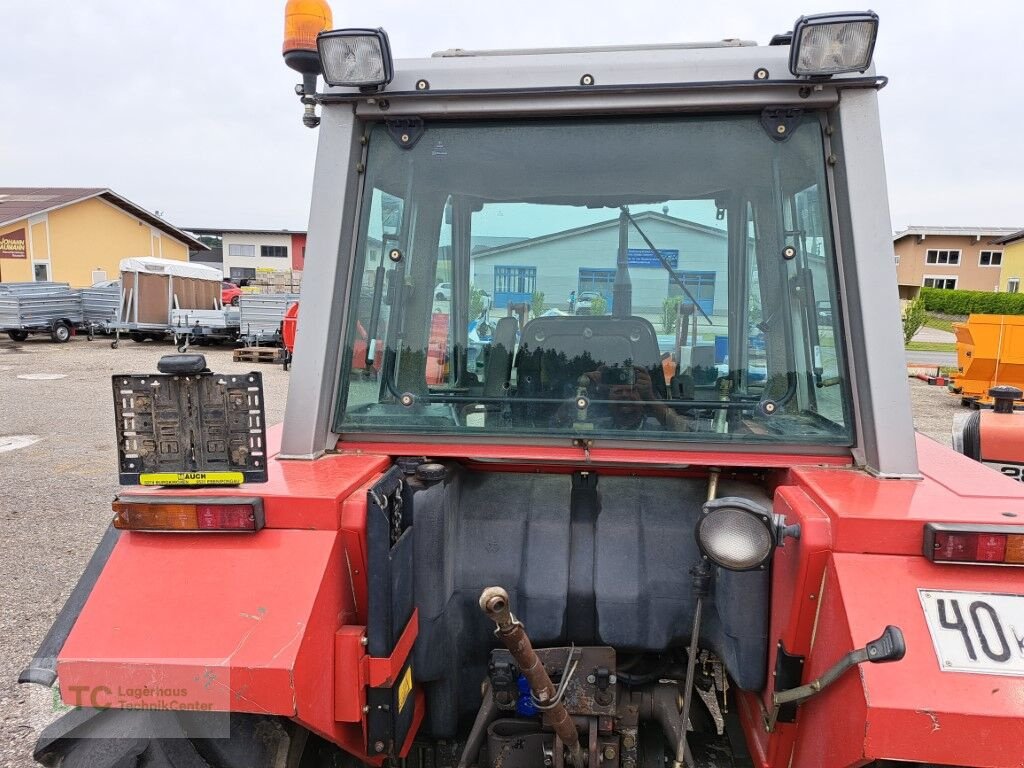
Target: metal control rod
494 603
701 581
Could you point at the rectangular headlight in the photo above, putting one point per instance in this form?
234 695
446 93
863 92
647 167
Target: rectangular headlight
832 43
355 57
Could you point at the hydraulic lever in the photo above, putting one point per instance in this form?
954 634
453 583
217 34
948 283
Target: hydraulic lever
889 647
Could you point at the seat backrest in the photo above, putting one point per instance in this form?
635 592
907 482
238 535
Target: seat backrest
498 368
555 351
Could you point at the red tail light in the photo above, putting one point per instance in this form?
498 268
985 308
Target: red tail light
974 544
183 514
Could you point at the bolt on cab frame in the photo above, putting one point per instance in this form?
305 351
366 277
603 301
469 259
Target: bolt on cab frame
695 498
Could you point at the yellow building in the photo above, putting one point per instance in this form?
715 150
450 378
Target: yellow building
79 235
1011 272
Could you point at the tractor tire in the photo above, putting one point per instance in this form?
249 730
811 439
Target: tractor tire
120 738
60 332
17 335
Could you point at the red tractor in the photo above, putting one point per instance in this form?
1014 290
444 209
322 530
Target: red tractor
542 546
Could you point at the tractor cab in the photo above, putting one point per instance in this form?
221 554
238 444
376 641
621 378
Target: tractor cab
598 448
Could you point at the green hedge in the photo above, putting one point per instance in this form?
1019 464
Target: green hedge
967 302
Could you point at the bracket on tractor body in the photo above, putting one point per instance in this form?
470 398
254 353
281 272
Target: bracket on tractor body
377 691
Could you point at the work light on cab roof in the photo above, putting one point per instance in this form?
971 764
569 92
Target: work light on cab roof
827 44
821 45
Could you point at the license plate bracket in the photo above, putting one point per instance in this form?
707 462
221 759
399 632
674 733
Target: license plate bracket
206 429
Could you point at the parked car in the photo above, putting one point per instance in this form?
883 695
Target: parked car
824 310
443 292
230 293
585 302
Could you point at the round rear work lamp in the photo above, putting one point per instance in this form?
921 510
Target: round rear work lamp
736 534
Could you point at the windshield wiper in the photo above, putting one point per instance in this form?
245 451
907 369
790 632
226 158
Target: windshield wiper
664 262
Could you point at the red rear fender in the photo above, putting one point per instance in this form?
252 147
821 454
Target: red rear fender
912 709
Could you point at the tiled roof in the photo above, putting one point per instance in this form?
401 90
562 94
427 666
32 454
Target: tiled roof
1013 237
18 203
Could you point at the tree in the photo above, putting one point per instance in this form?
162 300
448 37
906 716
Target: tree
537 303
670 313
598 305
914 315
478 300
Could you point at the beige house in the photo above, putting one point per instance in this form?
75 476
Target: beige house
955 258
79 235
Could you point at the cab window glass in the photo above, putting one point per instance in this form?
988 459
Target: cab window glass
659 279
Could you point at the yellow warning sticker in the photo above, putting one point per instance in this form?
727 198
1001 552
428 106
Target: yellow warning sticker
404 688
192 478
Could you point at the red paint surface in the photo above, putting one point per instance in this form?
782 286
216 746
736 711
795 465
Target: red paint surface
179 608
245 622
349 674
911 709
383 672
888 516
355 670
222 616
797 571
298 250
437 349
290 326
1002 437
876 528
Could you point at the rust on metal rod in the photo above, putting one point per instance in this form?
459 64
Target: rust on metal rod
494 603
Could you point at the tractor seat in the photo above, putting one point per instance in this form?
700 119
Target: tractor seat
555 351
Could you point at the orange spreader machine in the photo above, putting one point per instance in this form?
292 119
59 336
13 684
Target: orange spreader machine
990 353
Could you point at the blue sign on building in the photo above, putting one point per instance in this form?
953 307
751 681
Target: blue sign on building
644 257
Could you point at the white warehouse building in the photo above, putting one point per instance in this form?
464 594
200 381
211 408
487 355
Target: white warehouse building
583 259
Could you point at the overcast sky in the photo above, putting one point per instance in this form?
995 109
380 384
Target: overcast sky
185 106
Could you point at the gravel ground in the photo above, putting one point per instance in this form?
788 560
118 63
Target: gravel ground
55 493
934 410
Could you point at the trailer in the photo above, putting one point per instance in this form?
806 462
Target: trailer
152 289
262 315
44 307
99 307
204 326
